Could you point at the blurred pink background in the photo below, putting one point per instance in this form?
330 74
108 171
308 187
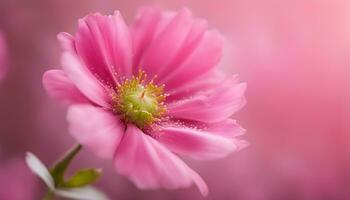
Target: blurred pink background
294 55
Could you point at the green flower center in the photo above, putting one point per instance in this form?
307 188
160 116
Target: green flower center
138 101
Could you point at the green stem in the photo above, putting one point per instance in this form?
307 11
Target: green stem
49 195
58 170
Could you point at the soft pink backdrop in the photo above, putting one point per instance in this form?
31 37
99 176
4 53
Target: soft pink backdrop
294 55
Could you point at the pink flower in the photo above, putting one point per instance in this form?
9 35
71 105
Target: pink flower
139 94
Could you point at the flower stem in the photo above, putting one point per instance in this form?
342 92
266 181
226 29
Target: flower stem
49 195
58 170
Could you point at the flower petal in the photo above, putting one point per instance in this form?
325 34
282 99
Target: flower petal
203 59
143 30
83 193
38 168
188 47
164 48
206 82
196 143
227 128
67 42
211 106
84 80
95 128
150 165
104 44
173 45
60 87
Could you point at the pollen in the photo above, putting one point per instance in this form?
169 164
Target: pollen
139 101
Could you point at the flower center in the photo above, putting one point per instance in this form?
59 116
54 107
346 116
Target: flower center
138 101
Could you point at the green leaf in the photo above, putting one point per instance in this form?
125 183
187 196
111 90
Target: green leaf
83 177
58 170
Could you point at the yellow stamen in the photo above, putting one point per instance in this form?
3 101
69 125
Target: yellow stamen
138 101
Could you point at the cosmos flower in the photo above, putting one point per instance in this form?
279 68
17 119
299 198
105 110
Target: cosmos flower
142 94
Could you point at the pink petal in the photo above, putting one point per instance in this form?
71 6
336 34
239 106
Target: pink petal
227 128
165 46
96 129
67 42
206 82
202 60
196 143
188 46
143 30
84 80
211 106
151 166
60 87
104 44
